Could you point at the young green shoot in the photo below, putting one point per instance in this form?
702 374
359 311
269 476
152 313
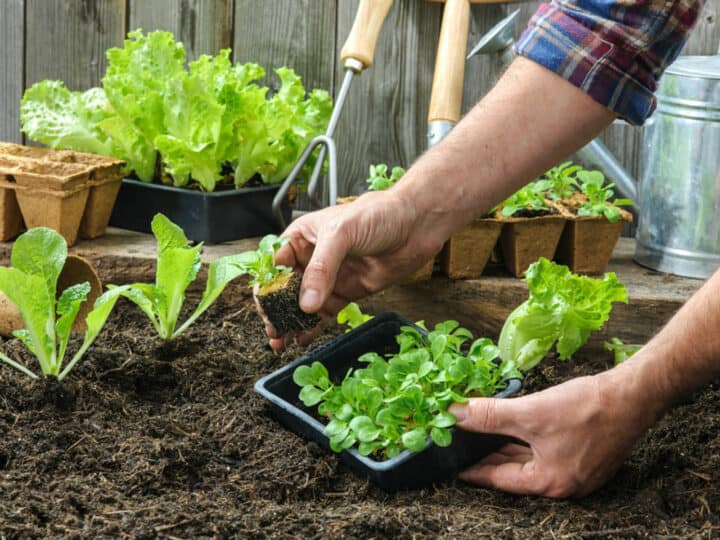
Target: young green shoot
530 198
592 185
260 263
562 181
352 316
38 257
379 179
621 351
398 401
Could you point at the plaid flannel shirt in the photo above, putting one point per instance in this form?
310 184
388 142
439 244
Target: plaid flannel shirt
613 50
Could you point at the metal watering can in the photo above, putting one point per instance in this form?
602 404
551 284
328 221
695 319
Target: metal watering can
679 190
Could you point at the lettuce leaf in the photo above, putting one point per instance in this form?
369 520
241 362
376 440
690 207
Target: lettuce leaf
562 308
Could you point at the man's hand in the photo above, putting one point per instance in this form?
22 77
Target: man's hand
348 251
579 433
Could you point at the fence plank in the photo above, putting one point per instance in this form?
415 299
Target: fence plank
67 39
12 24
385 116
204 26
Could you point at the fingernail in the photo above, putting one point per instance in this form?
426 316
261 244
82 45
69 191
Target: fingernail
309 300
458 411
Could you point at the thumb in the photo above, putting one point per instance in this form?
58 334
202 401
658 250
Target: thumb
322 268
490 415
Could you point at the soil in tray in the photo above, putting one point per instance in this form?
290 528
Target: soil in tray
171 441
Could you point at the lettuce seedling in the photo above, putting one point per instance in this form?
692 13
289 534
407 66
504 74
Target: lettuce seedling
260 263
398 401
37 259
562 307
592 185
379 179
530 198
621 351
352 316
177 267
562 181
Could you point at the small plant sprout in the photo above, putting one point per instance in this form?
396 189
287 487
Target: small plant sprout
528 199
177 267
562 181
379 179
398 401
37 259
621 351
352 316
277 287
592 185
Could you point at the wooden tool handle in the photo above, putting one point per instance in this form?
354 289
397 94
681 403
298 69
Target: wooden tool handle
363 37
447 88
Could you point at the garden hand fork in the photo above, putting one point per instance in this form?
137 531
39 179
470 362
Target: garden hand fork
357 55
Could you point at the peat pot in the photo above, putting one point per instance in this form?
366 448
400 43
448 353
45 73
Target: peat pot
679 191
212 218
407 470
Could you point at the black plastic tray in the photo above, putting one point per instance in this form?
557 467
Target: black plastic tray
214 217
408 470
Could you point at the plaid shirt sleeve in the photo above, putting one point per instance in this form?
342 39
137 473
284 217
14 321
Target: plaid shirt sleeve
613 50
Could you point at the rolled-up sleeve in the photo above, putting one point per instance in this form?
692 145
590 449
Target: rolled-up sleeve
615 51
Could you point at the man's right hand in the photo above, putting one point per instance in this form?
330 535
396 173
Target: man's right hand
349 251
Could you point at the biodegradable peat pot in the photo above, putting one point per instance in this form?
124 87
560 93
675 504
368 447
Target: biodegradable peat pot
59 210
525 240
408 470
587 243
279 301
468 250
76 270
214 217
11 221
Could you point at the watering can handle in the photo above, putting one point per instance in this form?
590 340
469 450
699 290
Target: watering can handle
360 44
449 75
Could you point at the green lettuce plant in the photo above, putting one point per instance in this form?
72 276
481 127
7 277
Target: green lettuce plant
177 267
260 264
592 185
562 182
352 316
201 120
562 308
621 351
399 401
528 198
378 180
37 259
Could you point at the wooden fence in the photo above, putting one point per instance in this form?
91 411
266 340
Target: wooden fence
384 119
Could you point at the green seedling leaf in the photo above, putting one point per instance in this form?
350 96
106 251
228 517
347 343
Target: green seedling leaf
415 440
441 437
68 307
621 351
378 180
352 316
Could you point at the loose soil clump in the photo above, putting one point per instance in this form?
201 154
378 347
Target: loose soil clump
156 440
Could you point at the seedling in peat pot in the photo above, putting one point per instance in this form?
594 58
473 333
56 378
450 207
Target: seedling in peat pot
177 267
592 185
278 287
528 201
561 181
37 259
397 402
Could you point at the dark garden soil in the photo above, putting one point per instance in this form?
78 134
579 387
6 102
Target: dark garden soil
148 441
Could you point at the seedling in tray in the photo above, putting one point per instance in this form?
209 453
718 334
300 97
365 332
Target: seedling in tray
38 257
396 402
278 287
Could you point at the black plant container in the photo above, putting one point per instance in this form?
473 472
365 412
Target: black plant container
408 470
212 218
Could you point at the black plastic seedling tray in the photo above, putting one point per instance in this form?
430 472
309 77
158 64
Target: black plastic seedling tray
214 217
408 470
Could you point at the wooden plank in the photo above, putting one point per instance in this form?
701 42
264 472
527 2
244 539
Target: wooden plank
67 39
706 34
385 116
12 24
299 34
204 26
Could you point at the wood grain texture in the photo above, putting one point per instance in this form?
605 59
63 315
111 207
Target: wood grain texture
12 23
204 26
385 116
67 39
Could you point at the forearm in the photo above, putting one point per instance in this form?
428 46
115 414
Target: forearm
530 121
682 357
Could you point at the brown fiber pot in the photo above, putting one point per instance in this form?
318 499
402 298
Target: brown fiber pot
11 222
59 210
587 243
525 240
76 270
100 202
468 250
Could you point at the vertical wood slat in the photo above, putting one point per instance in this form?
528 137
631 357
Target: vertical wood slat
204 26
12 23
67 39
385 116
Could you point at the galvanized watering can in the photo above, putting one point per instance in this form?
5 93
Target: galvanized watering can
679 190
